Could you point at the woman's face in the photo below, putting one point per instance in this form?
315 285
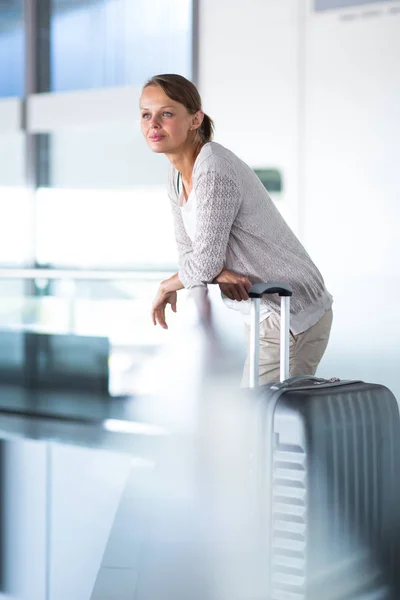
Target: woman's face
166 124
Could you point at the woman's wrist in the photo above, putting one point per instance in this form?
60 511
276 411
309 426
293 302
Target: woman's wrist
164 288
173 284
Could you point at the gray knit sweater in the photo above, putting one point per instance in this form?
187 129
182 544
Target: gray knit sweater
239 228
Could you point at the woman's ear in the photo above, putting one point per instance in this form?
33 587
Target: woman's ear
197 120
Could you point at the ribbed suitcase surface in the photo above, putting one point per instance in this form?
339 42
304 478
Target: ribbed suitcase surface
332 489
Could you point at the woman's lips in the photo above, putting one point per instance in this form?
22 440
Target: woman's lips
156 138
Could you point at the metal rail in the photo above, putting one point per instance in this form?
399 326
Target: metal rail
81 274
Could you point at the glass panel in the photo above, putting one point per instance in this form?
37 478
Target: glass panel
118 311
16 207
97 43
12 49
108 206
12 159
107 155
105 229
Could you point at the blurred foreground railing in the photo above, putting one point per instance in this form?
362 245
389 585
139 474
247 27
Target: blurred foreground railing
85 274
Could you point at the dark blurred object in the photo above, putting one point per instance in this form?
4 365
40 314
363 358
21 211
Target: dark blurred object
2 517
54 361
270 178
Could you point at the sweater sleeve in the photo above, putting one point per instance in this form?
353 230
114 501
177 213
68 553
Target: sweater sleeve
217 200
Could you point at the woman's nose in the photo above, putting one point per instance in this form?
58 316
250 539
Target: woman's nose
154 122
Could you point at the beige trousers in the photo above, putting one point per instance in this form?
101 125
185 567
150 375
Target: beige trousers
306 349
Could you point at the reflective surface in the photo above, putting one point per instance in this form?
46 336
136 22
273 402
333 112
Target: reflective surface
54 361
119 310
90 322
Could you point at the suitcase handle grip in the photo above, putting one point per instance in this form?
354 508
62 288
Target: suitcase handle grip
259 289
255 293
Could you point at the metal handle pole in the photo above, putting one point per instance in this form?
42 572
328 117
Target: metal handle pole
254 351
285 335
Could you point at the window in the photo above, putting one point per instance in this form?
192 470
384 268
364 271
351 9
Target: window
105 229
98 43
16 207
12 48
105 204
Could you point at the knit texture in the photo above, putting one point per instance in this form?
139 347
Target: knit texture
238 227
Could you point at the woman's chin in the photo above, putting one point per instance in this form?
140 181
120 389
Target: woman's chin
157 150
157 147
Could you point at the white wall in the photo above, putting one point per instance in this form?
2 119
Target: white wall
351 209
249 81
318 95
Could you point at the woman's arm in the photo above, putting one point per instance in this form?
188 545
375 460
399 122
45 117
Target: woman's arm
183 242
173 284
167 290
217 204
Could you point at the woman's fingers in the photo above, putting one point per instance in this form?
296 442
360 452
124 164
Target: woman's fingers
243 292
234 291
160 318
246 283
159 306
228 290
239 292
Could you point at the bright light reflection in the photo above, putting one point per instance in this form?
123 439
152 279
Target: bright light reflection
119 426
109 228
16 208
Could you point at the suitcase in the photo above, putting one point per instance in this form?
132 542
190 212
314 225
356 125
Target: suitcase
326 457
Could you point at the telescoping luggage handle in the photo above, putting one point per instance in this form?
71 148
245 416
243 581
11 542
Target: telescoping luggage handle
256 292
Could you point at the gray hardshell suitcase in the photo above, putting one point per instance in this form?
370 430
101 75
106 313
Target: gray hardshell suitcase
327 459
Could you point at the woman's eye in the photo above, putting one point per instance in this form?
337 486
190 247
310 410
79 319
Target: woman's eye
167 114
145 115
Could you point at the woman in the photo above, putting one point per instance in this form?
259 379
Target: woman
228 231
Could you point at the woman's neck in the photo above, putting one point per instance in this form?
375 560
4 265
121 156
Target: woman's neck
184 161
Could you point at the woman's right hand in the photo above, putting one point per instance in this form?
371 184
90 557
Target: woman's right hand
162 299
233 286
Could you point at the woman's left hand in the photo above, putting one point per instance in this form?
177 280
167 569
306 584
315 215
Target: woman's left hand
233 286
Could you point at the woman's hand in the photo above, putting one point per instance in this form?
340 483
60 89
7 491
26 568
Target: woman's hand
233 286
159 305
